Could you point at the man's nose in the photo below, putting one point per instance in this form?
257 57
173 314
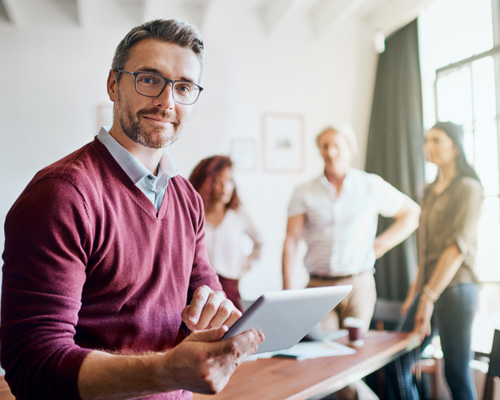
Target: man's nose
166 99
332 151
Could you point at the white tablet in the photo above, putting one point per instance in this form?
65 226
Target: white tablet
287 316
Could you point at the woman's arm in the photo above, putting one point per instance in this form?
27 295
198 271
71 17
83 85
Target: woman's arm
447 266
410 296
254 236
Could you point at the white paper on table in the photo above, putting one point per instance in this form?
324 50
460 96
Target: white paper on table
308 350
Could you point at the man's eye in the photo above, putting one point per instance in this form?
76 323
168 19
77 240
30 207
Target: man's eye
149 80
183 87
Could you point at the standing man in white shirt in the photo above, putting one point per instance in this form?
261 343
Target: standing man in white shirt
336 214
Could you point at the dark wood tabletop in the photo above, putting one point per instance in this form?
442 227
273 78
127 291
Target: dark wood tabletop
279 379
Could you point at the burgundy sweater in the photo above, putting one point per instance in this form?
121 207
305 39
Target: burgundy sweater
90 264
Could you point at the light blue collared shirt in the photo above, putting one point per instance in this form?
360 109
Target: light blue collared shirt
152 186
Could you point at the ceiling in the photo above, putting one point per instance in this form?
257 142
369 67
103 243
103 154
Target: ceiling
382 15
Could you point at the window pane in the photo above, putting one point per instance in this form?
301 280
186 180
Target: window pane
454 99
488 258
486 160
456 29
487 318
483 77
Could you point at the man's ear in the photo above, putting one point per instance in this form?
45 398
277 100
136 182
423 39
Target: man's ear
112 85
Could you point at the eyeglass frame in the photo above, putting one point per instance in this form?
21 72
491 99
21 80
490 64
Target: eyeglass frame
166 80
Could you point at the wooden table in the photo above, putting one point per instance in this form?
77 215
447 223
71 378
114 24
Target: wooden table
279 379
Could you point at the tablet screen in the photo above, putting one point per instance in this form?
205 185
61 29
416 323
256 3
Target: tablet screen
285 317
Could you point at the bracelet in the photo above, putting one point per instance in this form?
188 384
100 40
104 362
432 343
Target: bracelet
431 294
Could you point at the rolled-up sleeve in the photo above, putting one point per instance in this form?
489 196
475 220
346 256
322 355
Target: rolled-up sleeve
389 199
466 210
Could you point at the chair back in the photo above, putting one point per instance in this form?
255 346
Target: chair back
387 313
494 367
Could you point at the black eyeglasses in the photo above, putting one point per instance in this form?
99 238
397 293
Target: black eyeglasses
152 85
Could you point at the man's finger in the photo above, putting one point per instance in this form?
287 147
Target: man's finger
240 346
235 316
222 314
210 310
197 305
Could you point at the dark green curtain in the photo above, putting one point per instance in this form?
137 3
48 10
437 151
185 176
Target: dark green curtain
394 148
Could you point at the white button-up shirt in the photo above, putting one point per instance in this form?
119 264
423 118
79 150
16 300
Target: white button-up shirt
228 246
340 227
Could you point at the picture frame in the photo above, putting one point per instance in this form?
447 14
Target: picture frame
104 115
243 153
283 143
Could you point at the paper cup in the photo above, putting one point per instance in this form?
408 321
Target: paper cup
354 327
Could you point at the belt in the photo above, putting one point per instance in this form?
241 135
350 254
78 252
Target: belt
331 278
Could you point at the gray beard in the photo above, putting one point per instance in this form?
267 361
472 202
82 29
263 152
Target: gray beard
133 129
135 132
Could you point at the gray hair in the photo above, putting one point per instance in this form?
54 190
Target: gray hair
172 31
346 131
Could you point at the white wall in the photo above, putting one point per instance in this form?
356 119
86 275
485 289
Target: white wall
52 79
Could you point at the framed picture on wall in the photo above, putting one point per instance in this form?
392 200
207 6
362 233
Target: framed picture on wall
243 154
283 143
104 115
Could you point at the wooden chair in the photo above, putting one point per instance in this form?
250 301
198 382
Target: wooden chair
388 313
5 393
493 368
431 367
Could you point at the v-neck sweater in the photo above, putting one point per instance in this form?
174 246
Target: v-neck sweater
89 263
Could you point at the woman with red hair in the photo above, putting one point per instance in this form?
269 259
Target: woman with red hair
227 224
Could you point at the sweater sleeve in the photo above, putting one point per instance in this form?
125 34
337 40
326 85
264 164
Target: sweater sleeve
47 242
202 272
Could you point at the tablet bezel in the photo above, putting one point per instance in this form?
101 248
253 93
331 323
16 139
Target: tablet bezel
285 317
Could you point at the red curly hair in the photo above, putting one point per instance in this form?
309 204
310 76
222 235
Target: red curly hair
203 177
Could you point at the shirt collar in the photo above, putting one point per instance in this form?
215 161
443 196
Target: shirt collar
131 165
346 183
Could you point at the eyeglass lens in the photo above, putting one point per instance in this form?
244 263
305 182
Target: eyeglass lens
152 85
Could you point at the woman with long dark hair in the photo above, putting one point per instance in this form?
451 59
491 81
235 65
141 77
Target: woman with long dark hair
227 223
444 297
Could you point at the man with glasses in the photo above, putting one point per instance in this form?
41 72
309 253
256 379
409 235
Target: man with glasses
105 266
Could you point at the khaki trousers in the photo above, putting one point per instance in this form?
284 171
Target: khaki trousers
359 303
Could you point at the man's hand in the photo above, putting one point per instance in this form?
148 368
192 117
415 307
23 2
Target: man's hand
209 309
203 363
